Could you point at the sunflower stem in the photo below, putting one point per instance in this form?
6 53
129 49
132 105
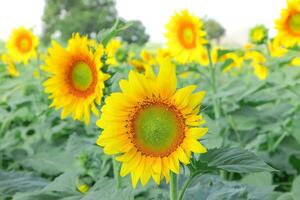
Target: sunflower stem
185 186
212 70
173 186
116 168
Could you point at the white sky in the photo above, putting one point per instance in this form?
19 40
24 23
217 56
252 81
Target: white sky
235 15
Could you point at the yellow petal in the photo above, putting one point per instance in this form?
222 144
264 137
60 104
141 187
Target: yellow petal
182 156
196 132
136 174
194 145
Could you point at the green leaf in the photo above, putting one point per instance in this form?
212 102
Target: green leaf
286 196
107 34
50 160
105 189
296 188
13 182
258 179
234 160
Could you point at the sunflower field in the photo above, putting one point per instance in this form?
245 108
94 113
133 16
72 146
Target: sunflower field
95 117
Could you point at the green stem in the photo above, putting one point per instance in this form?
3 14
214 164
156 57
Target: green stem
173 186
279 140
116 168
185 186
212 70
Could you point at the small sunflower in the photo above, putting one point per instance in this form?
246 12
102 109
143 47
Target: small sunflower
261 71
22 45
295 62
10 65
204 60
76 82
288 25
236 61
148 57
258 34
114 52
276 47
185 37
162 54
153 126
255 56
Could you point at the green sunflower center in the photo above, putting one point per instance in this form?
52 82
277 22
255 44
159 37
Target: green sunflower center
294 23
188 35
82 76
157 129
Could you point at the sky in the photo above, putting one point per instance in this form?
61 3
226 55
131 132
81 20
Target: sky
237 16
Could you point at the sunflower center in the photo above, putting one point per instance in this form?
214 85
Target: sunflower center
81 76
24 44
294 23
158 130
187 37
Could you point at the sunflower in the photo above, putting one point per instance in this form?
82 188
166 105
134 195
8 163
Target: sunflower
236 61
153 126
148 57
185 36
22 45
255 56
260 71
162 54
295 62
258 34
204 60
288 25
76 82
115 54
276 48
10 65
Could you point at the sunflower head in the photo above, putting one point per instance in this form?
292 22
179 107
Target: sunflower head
260 71
185 36
148 57
288 26
258 34
151 125
255 56
295 62
75 80
162 54
10 65
236 61
203 58
115 53
276 48
22 45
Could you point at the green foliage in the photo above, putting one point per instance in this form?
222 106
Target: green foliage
231 160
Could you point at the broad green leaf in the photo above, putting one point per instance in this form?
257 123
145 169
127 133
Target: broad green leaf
234 160
296 188
17 181
259 179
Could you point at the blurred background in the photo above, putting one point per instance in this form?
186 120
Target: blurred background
228 21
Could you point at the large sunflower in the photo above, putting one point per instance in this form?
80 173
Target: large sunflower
76 82
151 125
185 36
288 25
22 45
